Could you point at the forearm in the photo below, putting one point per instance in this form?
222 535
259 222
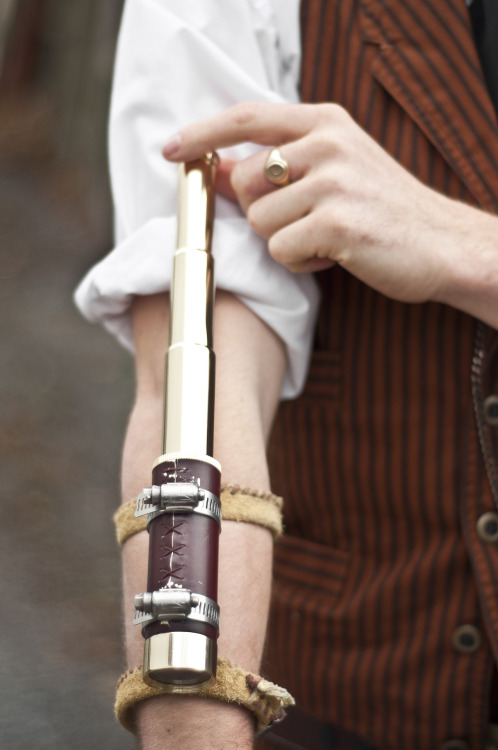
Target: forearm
250 364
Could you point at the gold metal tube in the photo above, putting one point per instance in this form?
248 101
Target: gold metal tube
182 657
190 362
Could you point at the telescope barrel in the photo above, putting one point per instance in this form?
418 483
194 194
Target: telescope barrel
179 613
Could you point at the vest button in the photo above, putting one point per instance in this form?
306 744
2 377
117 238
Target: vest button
491 410
487 527
455 745
467 639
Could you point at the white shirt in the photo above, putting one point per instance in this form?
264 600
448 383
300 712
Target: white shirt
179 61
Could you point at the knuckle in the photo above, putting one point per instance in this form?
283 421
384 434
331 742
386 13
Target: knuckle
237 179
335 227
332 112
276 248
319 144
243 113
324 183
343 257
253 217
245 181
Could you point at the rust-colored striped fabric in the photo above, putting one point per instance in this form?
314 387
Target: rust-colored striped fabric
380 461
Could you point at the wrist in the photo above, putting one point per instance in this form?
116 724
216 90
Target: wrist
187 722
468 249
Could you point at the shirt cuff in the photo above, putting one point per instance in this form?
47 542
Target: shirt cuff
142 265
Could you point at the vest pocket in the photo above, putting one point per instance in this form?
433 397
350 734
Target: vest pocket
309 579
308 576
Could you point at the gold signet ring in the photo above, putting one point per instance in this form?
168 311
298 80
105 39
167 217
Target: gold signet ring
276 169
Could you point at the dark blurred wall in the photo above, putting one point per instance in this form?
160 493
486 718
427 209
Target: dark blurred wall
65 386
77 51
56 75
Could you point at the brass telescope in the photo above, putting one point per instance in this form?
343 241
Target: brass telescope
179 613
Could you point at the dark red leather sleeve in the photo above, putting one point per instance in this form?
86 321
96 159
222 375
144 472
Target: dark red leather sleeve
183 546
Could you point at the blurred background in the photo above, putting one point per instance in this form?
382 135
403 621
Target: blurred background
66 386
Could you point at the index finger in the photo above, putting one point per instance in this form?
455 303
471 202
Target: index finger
264 123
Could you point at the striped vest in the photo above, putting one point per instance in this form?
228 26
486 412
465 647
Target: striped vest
385 608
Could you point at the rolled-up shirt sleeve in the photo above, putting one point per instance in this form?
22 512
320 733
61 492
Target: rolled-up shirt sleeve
179 61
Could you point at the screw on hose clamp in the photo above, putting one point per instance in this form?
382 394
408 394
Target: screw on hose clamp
175 604
182 497
166 603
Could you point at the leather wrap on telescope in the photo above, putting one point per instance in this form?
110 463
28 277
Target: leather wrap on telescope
183 546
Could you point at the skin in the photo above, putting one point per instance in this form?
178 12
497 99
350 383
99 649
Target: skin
349 202
249 372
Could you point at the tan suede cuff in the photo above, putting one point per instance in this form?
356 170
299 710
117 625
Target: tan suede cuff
237 504
252 506
233 685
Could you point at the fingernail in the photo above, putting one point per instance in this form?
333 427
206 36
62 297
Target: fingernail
172 146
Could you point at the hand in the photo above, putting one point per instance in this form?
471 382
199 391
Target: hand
348 202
